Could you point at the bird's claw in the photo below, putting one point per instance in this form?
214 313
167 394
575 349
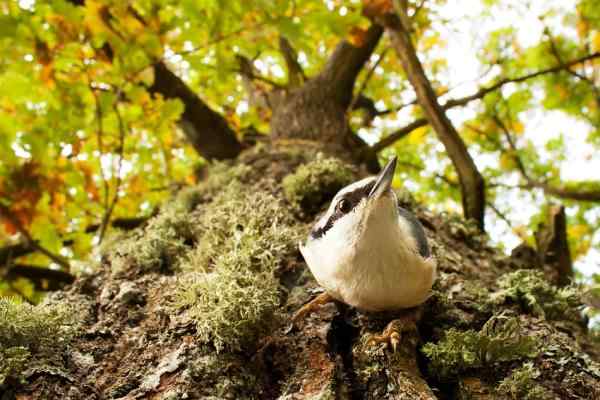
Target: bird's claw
392 338
392 334
311 306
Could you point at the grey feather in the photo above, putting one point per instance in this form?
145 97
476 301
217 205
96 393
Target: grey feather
417 231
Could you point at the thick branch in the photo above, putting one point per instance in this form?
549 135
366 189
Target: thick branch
54 278
347 61
296 75
471 181
14 251
206 130
552 244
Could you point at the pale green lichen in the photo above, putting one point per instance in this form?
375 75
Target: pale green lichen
219 176
521 384
535 295
231 292
498 341
312 184
158 246
168 237
32 337
223 376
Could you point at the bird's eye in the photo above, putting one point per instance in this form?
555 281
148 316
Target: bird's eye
343 206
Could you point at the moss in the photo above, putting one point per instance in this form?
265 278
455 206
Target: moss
32 337
536 295
498 341
312 184
521 384
158 246
219 175
231 292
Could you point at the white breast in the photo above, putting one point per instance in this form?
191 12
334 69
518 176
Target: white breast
381 271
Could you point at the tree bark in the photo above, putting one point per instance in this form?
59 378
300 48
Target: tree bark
317 110
207 131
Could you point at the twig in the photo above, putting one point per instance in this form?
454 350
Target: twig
99 140
117 176
500 214
368 76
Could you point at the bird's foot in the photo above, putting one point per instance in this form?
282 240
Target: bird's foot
312 306
392 334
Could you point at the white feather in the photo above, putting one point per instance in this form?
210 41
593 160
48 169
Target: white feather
369 258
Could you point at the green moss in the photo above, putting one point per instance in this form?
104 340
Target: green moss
231 292
158 246
32 337
536 295
521 384
314 183
498 341
219 176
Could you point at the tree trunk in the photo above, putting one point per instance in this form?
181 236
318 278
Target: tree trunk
134 342
196 303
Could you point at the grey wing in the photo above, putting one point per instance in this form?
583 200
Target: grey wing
417 231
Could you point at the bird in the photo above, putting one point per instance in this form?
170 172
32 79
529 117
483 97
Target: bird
368 252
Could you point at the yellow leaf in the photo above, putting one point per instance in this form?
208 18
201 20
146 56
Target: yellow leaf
418 135
577 231
596 41
518 128
507 162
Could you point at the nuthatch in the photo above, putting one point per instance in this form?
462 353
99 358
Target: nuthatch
368 252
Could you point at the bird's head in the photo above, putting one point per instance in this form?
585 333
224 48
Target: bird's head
356 207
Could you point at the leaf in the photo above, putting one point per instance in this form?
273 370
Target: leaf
358 36
377 8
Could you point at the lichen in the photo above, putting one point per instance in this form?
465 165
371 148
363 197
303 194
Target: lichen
521 384
158 246
535 295
498 341
32 337
312 184
224 376
231 291
219 176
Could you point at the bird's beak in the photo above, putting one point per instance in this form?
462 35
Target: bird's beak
384 180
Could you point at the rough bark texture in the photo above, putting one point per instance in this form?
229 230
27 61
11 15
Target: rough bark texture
553 246
133 344
317 110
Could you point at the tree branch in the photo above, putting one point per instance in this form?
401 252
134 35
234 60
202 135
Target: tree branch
471 181
55 279
207 131
398 134
6 213
365 82
481 93
552 244
296 76
120 149
14 251
346 62
563 192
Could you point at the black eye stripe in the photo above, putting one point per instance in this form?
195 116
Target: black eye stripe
354 197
